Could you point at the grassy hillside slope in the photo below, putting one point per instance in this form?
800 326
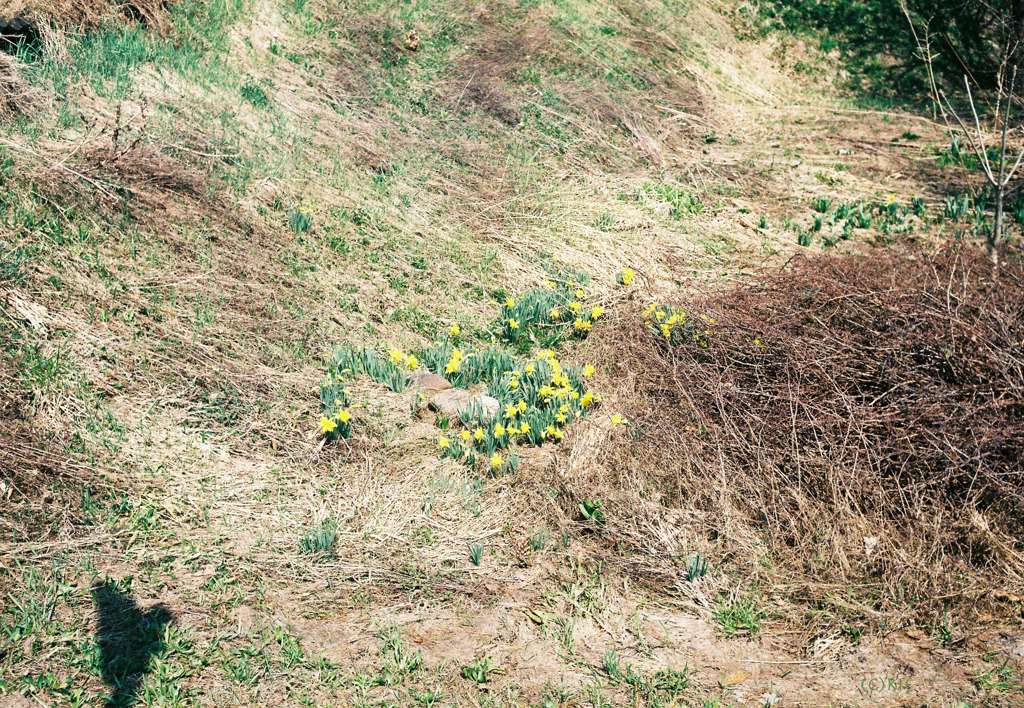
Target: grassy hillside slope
201 203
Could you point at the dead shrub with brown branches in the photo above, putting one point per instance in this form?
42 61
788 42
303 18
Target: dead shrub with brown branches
863 417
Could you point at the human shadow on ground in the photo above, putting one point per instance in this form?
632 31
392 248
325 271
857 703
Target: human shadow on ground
127 638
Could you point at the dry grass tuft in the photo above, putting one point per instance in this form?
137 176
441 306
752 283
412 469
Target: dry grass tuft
37 476
15 95
853 425
89 13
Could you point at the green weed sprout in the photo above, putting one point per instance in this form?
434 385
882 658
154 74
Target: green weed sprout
477 671
319 540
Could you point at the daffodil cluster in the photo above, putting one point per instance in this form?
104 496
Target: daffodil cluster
405 361
393 371
626 276
336 416
347 363
547 315
453 362
538 399
300 218
477 443
677 326
466 367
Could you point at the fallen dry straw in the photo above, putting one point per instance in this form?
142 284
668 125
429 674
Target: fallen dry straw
77 14
863 416
15 95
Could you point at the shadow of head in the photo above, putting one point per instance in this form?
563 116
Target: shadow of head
127 638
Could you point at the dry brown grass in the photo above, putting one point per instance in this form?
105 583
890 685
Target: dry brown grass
38 477
87 13
854 427
15 96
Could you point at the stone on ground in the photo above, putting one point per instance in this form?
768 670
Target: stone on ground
451 402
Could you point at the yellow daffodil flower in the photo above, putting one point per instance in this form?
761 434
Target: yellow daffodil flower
454 331
499 430
596 311
478 434
497 460
588 371
327 425
344 416
453 363
442 442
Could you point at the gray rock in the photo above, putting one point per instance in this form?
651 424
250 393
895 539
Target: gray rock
663 209
429 383
490 405
451 402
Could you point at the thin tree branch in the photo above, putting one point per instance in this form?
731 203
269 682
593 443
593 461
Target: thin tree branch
981 140
1013 189
1006 125
1014 170
970 139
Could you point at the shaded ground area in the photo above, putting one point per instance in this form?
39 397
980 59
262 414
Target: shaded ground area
128 638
